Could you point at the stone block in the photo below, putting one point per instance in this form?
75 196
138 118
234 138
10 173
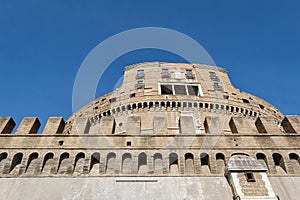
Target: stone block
212 125
107 125
291 124
267 125
81 125
133 125
28 125
159 125
54 125
187 125
242 125
7 124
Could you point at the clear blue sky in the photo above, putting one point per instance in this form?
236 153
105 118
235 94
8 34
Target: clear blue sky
43 44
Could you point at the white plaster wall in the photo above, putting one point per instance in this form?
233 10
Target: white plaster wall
170 188
287 188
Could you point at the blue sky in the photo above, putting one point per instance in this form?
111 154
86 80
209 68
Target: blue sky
43 44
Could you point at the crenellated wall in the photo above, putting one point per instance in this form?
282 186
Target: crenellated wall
94 149
172 118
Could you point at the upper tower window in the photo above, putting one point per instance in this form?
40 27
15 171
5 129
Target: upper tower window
189 73
213 76
217 86
193 90
140 73
140 84
181 89
166 89
165 73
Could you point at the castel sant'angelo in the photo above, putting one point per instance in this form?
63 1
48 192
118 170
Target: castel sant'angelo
170 131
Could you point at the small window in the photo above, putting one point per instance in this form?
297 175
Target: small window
213 76
193 90
217 86
113 100
165 73
132 95
261 106
166 89
245 101
140 73
140 84
180 89
189 73
249 176
128 143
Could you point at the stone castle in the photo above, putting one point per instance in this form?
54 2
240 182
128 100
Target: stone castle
177 131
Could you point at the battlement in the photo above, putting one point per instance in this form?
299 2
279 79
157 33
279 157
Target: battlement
92 148
233 123
31 125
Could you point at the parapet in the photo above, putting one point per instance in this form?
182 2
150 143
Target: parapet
182 124
31 125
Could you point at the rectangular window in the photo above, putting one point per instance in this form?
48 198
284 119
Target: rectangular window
140 73
140 84
217 86
128 143
250 177
166 89
180 90
213 76
112 100
189 73
165 73
193 90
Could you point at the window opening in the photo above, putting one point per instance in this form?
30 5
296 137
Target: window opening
140 73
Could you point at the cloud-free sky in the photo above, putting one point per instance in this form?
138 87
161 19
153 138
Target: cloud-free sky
43 43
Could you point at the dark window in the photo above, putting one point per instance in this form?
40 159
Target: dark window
173 159
225 96
245 101
204 158
180 89
193 90
132 95
261 106
128 143
249 176
166 89
112 100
